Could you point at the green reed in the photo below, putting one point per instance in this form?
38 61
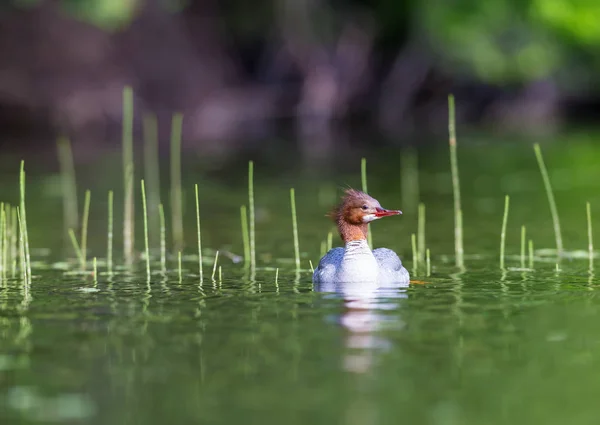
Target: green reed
312 269
245 236
329 241
428 261
199 235
179 266
146 243
128 177
6 237
523 240
176 190
109 248
23 214
2 240
295 228
68 182
363 179
413 242
95 268
163 239
76 248
215 266
277 276
14 241
588 209
151 171
458 222
84 228
252 215
22 246
421 231
503 231
551 200
530 254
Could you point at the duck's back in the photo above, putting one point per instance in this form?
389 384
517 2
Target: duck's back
390 266
326 270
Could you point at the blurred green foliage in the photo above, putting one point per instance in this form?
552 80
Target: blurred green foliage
498 41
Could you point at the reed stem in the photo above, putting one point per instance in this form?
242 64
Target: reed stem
523 239
179 265
151 172
312 269
14 241
176 191
22 246
163 239
428 260
421 231
68 181
276 276
199 235
109 248
530 254
128 176
363 179
458 228
95 268
24 220
295 228
329 241
245 237
76 248
503 231
588 209
2 240
252 216
7 238
146 242
413 242
215 266
84 228
551 200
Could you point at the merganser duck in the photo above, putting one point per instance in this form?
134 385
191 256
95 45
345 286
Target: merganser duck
356 263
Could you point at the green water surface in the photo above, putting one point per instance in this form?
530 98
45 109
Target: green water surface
479 346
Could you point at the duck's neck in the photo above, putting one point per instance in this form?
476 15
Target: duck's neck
352 232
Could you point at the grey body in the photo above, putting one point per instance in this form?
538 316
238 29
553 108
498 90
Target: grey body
358 264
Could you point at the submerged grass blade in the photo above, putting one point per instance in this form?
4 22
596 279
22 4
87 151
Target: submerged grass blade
588 209
215 265
84 228
128 176
503 231
176 191
421 231
68 182
458 228
551 200
523 239
109 248
295 228
252 216
23 214
163 239
245 236
146 243
363 179
199 235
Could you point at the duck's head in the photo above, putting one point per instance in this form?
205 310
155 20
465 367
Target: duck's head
359 209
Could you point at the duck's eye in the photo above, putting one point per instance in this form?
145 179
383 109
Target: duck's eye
365 207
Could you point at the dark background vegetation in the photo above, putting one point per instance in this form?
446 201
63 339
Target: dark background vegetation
244 72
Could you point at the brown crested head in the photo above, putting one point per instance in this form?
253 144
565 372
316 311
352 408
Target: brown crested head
355 211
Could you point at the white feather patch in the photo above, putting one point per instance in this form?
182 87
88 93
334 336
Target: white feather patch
369 217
